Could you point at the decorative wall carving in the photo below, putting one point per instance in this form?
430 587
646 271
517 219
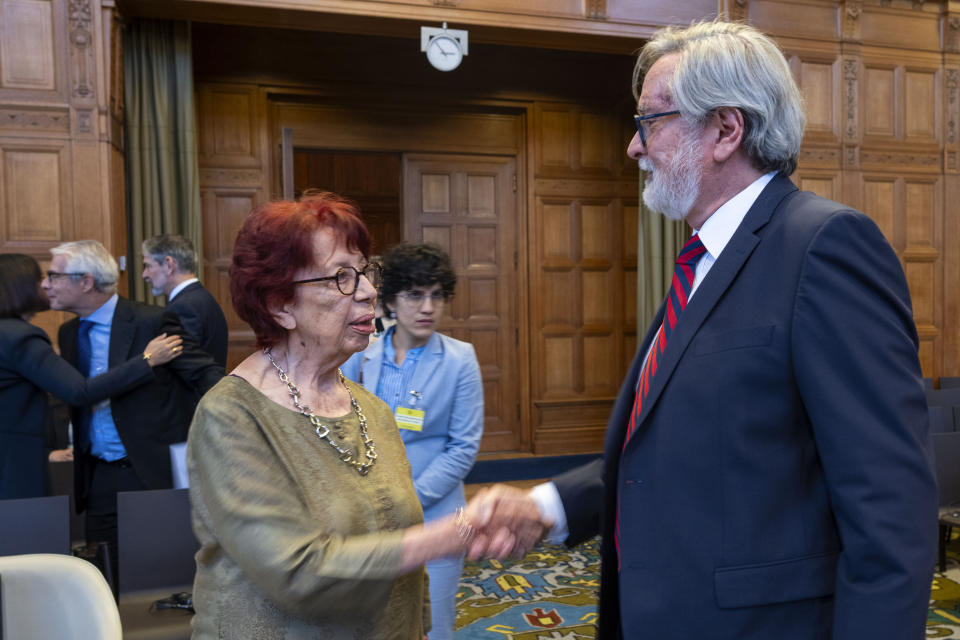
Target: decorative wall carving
445 3
951 160
851 68
230 177
57 121
896 160
84 121
853 9
951 35
81 49
851 156
739 10
952 82
596 9
820 157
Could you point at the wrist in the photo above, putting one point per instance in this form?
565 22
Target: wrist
146 356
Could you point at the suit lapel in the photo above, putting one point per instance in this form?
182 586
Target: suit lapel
370 365
122 332
68 341
429 361
722 274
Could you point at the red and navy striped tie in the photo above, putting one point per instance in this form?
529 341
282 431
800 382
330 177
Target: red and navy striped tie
683 276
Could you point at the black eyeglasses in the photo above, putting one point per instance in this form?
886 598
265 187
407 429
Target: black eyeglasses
51 275
416 297
348 278
643 123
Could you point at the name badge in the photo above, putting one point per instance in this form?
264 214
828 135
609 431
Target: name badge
411 419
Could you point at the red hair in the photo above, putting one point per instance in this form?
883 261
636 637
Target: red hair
275 241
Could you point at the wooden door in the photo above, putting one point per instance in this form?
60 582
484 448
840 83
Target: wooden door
468 205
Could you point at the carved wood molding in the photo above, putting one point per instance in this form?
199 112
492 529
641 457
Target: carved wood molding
820 157
851 156
951 33
445 3
45 120
900 160
851 70
852 10
738 10
952 85
82 65
595 9
249 178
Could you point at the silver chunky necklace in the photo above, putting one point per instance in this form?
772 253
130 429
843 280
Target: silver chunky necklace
322 431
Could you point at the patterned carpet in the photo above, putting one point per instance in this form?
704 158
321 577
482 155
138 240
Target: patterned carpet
551 594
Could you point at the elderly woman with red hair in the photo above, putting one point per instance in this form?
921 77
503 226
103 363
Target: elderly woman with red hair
301 493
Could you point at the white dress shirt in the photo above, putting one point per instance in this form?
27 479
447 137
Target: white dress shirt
714 234
180 287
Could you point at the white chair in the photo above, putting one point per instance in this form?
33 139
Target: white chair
45 596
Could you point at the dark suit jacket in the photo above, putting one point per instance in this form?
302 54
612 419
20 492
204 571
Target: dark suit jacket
203 319
151 417
29 368
779 484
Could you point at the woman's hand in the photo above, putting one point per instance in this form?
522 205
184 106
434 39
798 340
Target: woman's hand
61 455
163 349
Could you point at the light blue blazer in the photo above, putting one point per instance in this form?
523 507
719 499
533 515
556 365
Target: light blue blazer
450 390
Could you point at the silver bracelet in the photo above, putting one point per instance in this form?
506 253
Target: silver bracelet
463 525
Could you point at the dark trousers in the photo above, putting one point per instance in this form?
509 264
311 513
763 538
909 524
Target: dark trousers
107 480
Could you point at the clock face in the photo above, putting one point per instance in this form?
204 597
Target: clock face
444 53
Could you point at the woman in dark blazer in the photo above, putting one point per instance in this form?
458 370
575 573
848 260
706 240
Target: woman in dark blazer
29 368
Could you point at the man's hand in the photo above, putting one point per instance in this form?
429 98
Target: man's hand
507 522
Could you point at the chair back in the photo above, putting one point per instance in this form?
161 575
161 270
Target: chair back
949 382
949 399
946 453
35 525
56 596
155 540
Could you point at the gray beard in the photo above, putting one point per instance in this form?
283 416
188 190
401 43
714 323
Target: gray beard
673 190
155 291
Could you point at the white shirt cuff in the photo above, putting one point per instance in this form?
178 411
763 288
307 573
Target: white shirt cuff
548 502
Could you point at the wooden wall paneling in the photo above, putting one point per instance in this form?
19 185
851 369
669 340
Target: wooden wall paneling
951 180
36 196
235 170
229 125
33 51
816 19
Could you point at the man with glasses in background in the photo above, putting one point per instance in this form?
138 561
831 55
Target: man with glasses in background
767 471
121 444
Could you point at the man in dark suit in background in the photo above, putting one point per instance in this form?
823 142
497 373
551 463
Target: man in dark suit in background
121 444
766 471
170 268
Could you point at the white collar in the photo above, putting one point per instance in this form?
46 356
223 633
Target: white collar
180 287
720 227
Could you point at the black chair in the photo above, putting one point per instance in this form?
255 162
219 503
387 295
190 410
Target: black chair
949 399
946 452
35 525
940 421
155 540
949 383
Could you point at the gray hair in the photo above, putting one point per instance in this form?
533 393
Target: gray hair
89 256
727 64
177 247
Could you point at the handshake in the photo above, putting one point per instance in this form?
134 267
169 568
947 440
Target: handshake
500 521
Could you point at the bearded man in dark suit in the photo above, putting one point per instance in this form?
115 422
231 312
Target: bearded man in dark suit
121 444
766 471
170 268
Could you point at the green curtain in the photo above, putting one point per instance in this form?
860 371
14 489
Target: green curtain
163 178
659 240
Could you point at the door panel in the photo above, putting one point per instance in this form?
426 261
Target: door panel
467 205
